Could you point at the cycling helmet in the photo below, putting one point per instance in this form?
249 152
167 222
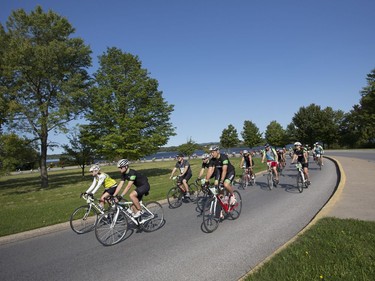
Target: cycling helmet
214 147
266 145
245 152
179 155
94 168
297 143
205 156
122 163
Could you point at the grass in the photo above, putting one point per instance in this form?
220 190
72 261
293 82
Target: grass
333 249
26 206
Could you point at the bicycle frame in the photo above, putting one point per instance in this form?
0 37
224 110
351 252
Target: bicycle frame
224 205
123 206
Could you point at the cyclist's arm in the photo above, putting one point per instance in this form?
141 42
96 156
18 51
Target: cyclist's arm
92 186
128 186
223 173
251 161
241 162
201 173
119 187
100 182
173 171
210 171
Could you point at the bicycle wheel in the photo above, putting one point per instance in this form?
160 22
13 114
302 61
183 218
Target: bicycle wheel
235 211
202 200
111 230
83 219
194 192
300 183
211 215
152 218
252 180
270 180
174 197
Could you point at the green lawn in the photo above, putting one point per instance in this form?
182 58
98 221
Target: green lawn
333 249
25 206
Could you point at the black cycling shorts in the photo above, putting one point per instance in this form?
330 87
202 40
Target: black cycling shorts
110 190
142 190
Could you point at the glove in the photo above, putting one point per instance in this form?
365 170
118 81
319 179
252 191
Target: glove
207 183
119 197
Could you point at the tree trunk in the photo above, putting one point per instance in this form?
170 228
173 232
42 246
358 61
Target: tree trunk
43 162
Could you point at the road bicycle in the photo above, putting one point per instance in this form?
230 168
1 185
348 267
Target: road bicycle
301 181
318 160
271 177
203 194
217 207
246 178
176 196
84 218
112 227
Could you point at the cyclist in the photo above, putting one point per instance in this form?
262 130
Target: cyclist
301 155
99 180
318 150
140 181
225 171
247 162
272 160
185 174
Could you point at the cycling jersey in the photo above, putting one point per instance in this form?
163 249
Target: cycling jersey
218 163
318 149
137 178
247 161
181 166
271 154
101 179
300 155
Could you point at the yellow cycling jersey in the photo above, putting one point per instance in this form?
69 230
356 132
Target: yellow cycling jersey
108 181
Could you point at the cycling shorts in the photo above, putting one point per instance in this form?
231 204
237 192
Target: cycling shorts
272 163
110 190
142 190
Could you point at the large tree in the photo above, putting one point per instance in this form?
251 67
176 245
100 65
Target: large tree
315 124
250 134
363 114
275 134
128 115
44 73
229 137
188 148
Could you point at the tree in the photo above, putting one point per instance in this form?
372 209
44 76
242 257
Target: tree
363 114
250 134
275 134
128 115
79 150
16 153
229 137
290 134
43 71
188 148
314 124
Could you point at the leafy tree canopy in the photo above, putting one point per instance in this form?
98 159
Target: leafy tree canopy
250 134
128 114
229 137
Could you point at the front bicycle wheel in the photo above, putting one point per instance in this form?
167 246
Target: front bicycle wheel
270 180
194 192
83 219
111 229
202 198
211 215
153 217
174 197
300 182
235 210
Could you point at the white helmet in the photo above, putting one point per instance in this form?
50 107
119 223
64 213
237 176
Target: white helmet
94 168
297 143
214 148
122 163
205 156
245 152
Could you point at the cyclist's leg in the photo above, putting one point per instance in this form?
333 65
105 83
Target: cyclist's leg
102 199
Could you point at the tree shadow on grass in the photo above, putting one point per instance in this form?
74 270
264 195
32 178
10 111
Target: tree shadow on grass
32 183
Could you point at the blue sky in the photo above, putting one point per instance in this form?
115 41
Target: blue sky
224 62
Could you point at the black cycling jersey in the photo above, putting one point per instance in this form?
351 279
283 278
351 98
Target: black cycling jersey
218 163
300 154
137 178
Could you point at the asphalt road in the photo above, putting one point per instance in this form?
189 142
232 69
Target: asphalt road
180 250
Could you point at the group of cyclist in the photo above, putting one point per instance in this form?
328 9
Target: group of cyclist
218 168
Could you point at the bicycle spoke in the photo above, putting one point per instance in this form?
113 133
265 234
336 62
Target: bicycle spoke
153 217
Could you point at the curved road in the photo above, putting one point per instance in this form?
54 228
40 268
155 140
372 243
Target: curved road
180 250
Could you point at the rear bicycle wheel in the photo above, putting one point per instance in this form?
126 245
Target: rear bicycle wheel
111 230
174 197
83 219
300 182
152 218
211 216
235 210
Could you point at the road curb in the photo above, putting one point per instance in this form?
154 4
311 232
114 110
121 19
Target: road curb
323 212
